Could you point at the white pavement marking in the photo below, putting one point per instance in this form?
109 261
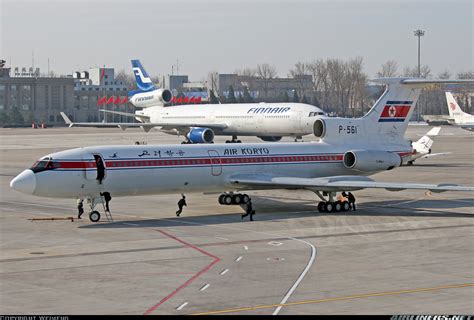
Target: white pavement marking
182 306
275 243
246 248
302 275
222 238
238 259
223 272
295 285
205 287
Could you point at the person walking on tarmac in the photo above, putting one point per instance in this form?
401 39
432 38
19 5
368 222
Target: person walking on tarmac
352 201
181 204
80 208
249 210
107 199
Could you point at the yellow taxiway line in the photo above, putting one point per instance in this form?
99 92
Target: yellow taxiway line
357 296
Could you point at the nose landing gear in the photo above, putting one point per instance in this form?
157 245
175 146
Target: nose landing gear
94 216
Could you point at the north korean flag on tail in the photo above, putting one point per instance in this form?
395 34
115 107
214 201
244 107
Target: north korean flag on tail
395 111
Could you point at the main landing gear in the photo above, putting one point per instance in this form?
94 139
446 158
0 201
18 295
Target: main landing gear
233 199
234 140
329 205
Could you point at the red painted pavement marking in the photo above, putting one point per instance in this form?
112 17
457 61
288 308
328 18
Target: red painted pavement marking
190 280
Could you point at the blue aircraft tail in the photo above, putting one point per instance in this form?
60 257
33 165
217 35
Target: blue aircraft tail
142 79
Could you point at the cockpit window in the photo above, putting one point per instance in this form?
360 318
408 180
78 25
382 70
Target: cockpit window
43 165
316 113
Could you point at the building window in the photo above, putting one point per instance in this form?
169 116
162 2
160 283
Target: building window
46 96
55 97
51 118
106 81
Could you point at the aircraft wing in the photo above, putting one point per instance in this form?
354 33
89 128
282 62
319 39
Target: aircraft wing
123 125
429 155
467 127
145 125
335 183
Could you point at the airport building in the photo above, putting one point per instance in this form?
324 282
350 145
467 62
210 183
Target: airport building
26 97
99 89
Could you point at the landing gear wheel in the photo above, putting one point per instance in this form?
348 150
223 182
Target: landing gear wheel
94 216
238 141
338 206
221 199
237 199
227 199
245 198
410 163
345 206
329 207
321 206
227 141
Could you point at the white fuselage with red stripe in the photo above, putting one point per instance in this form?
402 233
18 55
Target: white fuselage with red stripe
164 169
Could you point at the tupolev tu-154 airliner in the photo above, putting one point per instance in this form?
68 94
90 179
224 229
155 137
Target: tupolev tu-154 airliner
348 152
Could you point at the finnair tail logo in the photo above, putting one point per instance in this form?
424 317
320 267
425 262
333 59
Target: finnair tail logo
395 111
138 73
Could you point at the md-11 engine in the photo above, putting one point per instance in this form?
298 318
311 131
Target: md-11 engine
152 98
371 160
200 135
271 139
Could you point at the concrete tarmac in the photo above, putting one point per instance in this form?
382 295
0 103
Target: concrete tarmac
408 252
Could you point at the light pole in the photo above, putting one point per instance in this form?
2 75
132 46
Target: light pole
419 33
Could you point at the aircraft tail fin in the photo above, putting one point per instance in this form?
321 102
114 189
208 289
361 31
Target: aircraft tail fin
426 142
454 110
142 79
433 132
391 113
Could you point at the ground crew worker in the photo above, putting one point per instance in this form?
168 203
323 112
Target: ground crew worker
107 199
352 201
181 204
249 210
80 208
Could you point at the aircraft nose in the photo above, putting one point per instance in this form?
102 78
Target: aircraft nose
24 182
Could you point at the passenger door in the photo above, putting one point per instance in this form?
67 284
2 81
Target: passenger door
216 166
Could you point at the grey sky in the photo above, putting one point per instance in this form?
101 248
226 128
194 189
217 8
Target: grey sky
225 35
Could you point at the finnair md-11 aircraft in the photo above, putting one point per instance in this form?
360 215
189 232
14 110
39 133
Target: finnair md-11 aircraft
348 152
457 116
199 123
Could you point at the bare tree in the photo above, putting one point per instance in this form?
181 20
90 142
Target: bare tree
444 75
425 72
300 70
466 75
266 72
246 72
127 78
388 69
